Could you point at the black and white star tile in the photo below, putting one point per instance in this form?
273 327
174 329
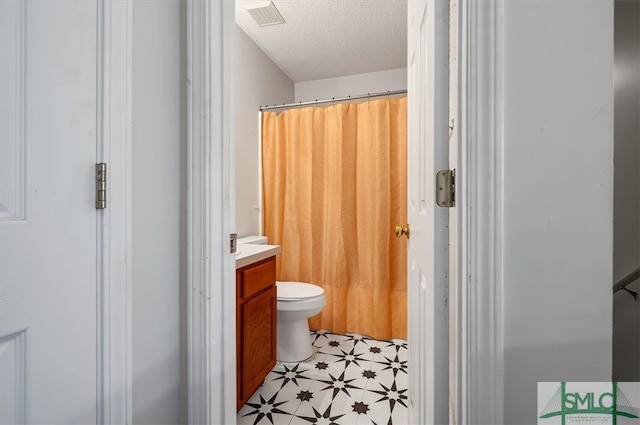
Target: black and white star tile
350 380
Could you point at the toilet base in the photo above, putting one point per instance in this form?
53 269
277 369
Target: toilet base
294 343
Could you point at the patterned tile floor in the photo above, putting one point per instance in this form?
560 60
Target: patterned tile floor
351 380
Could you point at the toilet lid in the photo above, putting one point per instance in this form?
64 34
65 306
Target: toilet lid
297 291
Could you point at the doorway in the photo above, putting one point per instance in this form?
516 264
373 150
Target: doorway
626 202
209 208
252 208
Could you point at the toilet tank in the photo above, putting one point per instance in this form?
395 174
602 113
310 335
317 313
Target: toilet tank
255 240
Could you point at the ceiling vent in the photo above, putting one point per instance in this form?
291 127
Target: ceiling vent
265 13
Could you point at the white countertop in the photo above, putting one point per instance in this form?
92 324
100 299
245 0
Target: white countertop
247 254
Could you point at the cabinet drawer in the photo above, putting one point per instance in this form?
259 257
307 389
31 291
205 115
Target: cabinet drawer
258 277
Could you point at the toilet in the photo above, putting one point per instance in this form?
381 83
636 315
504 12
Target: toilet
296 303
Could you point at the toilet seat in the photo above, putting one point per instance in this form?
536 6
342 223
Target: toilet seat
298 291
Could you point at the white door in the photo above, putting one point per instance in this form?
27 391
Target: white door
428 117
48 222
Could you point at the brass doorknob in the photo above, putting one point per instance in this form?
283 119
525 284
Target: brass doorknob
402 231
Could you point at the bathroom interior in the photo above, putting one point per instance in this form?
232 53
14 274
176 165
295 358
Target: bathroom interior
339 372
353 364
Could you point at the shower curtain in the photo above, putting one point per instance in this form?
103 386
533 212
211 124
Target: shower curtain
334 187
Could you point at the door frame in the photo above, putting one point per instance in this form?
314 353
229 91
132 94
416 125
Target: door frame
211 310
113 224
211 323
479 185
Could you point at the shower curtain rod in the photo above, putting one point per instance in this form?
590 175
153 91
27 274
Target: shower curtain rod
334 99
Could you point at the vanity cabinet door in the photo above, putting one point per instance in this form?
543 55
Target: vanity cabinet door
258 340
256 320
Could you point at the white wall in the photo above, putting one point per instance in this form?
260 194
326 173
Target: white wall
159 136
350 85
258 82
626 237
557 197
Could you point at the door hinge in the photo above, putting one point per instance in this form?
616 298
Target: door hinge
446 188
101 186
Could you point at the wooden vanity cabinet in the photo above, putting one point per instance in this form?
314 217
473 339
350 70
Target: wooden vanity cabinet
256 311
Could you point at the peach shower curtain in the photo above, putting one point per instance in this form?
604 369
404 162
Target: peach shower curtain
334 182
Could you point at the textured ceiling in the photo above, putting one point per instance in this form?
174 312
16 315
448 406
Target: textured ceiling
332 38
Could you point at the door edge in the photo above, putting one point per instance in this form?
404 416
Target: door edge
114 44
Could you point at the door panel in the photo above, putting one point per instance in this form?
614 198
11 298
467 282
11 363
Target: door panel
48 243
428 77
259 347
